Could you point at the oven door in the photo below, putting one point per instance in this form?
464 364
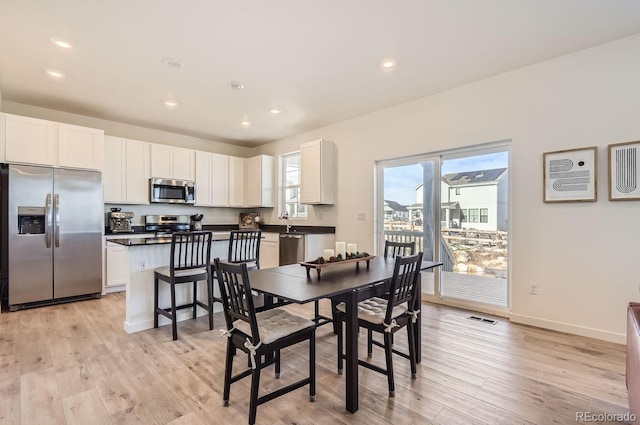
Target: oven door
171 191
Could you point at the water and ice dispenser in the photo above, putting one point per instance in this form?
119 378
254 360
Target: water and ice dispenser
31 220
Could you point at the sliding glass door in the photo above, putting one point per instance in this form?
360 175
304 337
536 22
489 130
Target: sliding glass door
454 205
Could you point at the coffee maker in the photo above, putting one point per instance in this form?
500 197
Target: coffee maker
120 222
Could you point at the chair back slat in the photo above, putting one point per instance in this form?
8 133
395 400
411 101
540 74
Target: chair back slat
235 291
190 250
398 249
404 283
244 246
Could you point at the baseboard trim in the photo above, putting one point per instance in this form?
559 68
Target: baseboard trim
162 321
569 328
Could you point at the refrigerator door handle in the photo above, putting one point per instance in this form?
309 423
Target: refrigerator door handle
56 208
48 221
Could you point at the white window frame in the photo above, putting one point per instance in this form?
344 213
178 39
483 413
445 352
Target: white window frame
300 212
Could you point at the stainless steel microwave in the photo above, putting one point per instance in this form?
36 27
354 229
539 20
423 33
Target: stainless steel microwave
167 191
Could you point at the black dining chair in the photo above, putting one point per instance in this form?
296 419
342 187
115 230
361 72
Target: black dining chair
398 249
244 247
259 334
190 261
388 314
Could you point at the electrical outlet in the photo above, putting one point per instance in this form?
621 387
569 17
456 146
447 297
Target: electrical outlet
361 216
533 288
142 264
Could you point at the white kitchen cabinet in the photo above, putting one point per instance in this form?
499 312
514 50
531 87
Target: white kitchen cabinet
138 172
41 142
236 181
219 180
80 147
127 171
170 162
270 250
29 140
317 164
117 267
258 181
212 179
114 174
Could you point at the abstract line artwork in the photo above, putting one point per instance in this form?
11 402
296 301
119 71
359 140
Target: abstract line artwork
623 172
570 176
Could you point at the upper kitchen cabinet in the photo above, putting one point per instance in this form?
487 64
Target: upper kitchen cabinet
29 140
258 181
41 142
80 147
317 163
126 177
171 162
236 181
212 179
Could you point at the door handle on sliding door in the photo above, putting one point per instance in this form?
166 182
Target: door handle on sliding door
56 209
48 221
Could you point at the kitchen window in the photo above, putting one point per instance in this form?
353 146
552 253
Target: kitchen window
290 187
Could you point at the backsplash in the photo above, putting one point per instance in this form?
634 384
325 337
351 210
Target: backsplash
211 215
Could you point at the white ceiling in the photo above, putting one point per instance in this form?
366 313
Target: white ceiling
317 60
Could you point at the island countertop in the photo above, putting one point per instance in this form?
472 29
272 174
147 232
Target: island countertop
142 241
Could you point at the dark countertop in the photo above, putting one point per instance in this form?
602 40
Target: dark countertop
270 228
154 241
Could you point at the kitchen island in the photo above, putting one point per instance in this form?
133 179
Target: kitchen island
137 262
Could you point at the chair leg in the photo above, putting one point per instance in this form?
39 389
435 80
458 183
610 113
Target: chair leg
231 349
174 321
389 358
210 301
155 302
253 402
412 349
277 364
340 344
312 367
369 343
195 298
334 315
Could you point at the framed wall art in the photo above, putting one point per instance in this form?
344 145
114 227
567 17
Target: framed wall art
624 176
570 175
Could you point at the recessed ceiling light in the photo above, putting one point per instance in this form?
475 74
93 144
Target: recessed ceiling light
235 85
274 110
245 123
60 43
172 63
388 64
170 104
54 75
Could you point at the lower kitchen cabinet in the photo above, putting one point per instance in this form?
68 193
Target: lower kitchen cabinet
117 268
269 250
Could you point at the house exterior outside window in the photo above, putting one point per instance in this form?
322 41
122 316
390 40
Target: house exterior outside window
473 215
484 215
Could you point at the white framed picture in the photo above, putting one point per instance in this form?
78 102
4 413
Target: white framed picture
570 175
624 176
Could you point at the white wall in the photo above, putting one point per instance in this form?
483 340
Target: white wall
584 256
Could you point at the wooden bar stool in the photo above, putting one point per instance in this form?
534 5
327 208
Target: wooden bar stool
190 261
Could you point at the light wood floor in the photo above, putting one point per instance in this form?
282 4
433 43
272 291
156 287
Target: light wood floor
73 364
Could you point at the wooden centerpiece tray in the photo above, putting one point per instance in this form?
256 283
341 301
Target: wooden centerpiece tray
319 266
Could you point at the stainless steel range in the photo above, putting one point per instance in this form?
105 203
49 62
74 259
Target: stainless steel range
165 225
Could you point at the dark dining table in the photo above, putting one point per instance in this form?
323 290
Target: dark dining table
342 283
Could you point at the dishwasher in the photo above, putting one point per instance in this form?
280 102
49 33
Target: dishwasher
291 248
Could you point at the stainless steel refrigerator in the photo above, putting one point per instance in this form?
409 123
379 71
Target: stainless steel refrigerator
52 226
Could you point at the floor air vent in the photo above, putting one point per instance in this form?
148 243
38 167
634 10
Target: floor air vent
482 319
